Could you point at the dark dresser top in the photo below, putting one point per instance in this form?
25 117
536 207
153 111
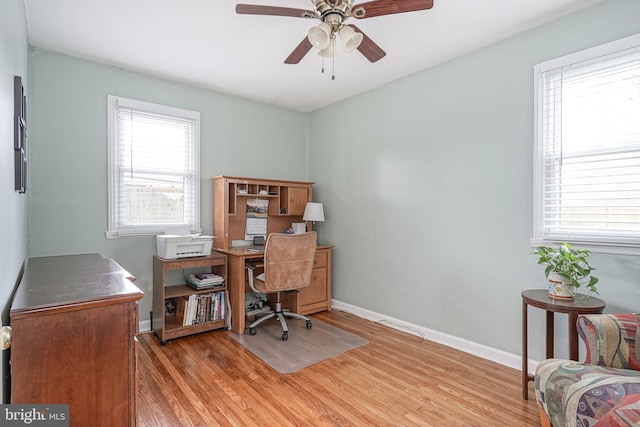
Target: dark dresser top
70 282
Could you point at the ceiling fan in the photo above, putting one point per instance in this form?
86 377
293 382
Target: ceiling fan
332 15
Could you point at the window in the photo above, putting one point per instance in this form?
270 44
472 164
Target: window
587 154
153 168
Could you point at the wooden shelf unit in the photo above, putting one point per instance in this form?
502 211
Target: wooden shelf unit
287 200
168 327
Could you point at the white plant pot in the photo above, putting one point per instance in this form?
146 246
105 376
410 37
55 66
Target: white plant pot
558 289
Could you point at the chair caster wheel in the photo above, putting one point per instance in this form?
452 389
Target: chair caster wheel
309 324
285 336
252 331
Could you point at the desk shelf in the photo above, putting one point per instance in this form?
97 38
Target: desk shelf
175 291
170 326
174 328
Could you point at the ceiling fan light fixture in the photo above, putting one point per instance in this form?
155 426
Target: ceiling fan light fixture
320 35
350 38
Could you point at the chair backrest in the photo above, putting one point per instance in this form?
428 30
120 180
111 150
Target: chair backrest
611 340
288 260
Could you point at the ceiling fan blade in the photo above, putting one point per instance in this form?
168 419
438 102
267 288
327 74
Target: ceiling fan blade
368 48
255 9
299 52
388 7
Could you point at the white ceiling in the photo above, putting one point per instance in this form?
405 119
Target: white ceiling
204 43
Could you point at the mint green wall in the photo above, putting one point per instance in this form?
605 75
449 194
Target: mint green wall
14 50
428 189
68 164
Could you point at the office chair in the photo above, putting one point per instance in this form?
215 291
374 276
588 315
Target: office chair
288 262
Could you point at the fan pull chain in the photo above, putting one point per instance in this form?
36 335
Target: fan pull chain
333 60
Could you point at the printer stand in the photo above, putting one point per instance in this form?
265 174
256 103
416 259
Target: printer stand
210 308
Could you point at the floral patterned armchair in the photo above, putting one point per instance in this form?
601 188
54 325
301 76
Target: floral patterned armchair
604 390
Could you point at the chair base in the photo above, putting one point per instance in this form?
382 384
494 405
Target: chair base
280 315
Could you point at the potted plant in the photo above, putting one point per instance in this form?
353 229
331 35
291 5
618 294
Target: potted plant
567 269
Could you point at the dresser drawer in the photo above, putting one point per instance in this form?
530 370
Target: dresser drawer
320 259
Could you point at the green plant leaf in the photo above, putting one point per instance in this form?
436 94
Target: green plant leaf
570 264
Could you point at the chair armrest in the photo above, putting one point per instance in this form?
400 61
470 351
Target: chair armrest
612 340
253 264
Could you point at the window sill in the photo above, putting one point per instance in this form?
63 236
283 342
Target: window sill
607 248
111 235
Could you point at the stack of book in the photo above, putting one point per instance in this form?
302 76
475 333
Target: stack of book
205 281
194 309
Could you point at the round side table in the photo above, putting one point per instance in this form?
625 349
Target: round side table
540 298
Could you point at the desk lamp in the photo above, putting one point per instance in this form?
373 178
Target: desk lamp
313 212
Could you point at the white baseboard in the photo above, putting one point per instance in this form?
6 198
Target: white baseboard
499 356
144 326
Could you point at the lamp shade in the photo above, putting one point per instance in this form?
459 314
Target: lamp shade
329 51
320 35
350 38
313 212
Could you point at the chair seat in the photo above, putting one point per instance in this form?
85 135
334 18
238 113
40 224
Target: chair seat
588 395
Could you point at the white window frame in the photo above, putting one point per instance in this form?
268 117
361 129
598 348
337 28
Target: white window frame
606 243
115 228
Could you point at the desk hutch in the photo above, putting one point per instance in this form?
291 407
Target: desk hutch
287 201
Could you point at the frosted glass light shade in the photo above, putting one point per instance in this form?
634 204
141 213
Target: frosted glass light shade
313 212
320 35
350 38
329 51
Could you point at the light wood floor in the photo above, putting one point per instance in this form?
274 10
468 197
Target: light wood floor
397 379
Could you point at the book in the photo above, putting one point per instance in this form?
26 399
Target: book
199 285
193 306
208 277
216 307
209 280
184 310
204 287
200 308
200 317
222 302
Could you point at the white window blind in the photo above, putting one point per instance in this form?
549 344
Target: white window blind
153 168
588 148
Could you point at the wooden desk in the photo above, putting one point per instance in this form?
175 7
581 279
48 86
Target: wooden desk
312 299
540 298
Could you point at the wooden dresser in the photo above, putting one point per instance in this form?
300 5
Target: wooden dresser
74 321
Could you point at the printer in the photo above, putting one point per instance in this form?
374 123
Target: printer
182 246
